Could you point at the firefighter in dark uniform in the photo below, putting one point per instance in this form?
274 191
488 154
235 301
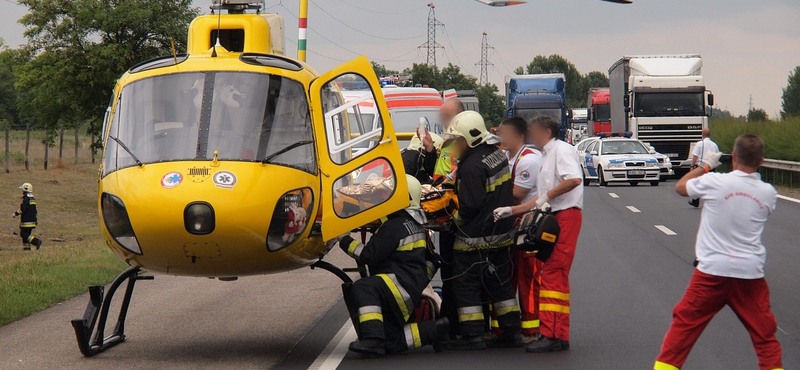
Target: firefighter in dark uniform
381 304
27 211
482 268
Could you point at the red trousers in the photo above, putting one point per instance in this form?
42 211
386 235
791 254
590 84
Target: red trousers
527 280
554 289
707 295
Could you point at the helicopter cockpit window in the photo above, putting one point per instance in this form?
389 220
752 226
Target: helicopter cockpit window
350 130
253 117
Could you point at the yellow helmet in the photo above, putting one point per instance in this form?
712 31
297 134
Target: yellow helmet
469 125
416 144
27 187
414 192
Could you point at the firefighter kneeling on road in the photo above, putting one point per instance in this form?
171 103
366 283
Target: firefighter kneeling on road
381 305
27 211
481 263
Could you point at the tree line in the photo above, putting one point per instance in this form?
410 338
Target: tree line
62 77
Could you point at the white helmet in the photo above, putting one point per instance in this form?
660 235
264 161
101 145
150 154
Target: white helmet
469 125
414 194
27 187
416 144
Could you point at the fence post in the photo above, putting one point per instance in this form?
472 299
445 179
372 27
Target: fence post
61 143
77 129
8 151
91 147
46 146
27 144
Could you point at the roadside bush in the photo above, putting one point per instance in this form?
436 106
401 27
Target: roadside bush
781 138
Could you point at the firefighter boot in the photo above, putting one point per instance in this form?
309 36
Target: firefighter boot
37 242
466 343
442 334
26 247
369 347
546 344
509 338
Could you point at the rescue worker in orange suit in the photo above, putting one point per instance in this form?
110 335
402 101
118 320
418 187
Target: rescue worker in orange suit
382 304
558 184
524 163
481 262
28 219
444 171
730 257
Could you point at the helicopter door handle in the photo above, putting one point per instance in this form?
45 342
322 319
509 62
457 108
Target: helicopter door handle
386 141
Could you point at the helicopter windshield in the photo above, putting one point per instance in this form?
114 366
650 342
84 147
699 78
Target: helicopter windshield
240 116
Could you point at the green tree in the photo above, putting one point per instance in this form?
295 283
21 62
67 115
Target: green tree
791 95
8 95
576 85
757 115
492 104
81 47
382 71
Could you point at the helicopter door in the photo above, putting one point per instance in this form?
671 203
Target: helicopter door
362 173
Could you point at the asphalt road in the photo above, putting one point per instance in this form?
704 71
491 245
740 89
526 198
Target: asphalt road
627 276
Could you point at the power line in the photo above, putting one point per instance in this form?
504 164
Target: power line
502 61
360 31
484 63
455 53
378 12
431 44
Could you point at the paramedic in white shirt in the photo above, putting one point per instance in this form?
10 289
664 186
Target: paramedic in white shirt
524 164
701 149
730 257
559 183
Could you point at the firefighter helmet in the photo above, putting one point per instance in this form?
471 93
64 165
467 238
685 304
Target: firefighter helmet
416 144
414 194
27 187
469 125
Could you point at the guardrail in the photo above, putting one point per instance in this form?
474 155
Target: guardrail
779 172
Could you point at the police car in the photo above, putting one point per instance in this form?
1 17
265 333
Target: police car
617 158
664 163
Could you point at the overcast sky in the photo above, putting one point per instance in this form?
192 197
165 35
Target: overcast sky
748 47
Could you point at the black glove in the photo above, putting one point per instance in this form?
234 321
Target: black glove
345 242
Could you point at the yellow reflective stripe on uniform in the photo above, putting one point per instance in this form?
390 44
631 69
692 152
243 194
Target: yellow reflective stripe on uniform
471 313
553 294
370 316
553 308
495 324
530 324
489 242
506 307
402 297
501 177
27 224
663 366
32 203
355 248
431 267
412 242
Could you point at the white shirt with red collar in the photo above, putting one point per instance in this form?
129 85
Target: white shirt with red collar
524 168
736 208
559 163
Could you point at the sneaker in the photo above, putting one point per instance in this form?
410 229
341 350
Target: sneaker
369 347
442 334
528 339
509 339
545 344
466 343
694 203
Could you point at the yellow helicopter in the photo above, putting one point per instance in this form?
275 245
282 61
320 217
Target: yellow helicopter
233 160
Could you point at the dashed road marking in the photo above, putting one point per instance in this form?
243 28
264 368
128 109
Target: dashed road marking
633 209
334 352
614 195
790 199
665 230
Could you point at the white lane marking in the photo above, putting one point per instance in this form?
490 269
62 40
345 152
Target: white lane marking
665 230
614 195
633 209
334 352
789 199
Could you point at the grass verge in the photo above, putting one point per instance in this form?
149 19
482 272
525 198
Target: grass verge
781 138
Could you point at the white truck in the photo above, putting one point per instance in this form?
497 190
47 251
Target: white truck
662 100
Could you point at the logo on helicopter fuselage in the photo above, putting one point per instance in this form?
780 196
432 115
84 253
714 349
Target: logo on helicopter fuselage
224 179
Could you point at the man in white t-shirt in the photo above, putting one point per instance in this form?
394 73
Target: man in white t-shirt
701 149
730 257
524 164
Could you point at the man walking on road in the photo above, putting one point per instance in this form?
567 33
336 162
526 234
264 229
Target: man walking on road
701 149
28 219
730 257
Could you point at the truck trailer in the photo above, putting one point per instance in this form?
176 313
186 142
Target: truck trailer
662 100
528 96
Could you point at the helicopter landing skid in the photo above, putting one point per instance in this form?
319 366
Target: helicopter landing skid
91 341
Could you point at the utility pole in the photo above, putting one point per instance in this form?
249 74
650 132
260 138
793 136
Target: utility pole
431 44
750 104
484 63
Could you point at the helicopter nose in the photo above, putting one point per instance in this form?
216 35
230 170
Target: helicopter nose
198 218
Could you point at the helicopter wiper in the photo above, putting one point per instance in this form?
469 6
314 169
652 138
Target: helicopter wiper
138 162
286 149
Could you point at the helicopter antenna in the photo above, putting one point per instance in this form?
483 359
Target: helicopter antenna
219 25
174 54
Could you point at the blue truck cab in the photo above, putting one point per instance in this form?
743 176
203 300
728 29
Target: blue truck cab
528 96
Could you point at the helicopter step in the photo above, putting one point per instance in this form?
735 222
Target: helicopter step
89 330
